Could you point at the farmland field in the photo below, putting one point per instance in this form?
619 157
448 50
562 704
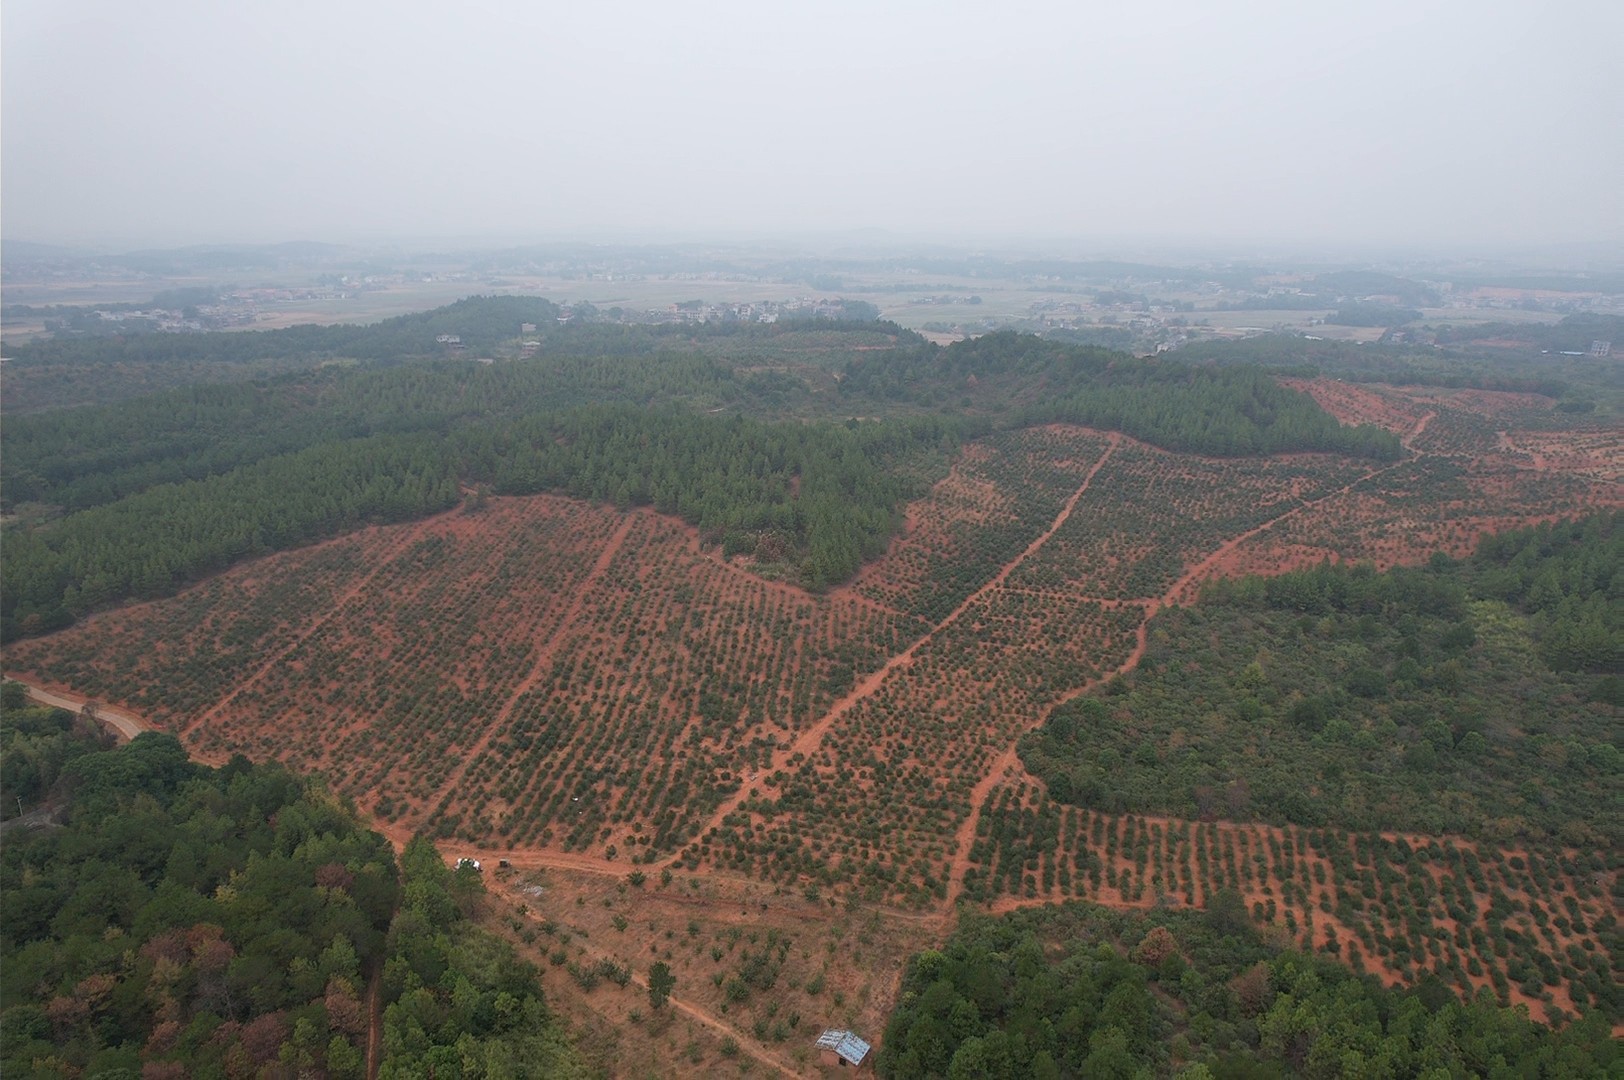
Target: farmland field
589 691
1532 928
494 675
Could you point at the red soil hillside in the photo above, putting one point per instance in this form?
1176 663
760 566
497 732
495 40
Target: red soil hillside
585 689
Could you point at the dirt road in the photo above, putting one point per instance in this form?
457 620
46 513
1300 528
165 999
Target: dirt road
809 740
755 1048
121 723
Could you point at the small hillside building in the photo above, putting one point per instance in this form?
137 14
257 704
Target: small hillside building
842 1048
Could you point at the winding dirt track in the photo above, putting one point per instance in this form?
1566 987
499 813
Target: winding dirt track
1420 426
374 1022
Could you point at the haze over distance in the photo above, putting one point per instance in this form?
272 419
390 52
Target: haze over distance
1467 127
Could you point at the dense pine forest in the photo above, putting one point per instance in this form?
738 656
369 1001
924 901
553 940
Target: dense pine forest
175 920
760 437
1224 412
1081 991
1478 697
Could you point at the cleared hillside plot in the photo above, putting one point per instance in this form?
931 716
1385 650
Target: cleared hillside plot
1475 472
395 688
283 656
529 674
674 682
998 497
878 803
1535 927
929 731
1498 427
550 676
764 968
174 660
1468 430
1362 403
1150 515
1595 455
1393 522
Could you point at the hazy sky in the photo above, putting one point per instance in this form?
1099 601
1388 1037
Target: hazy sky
1477 122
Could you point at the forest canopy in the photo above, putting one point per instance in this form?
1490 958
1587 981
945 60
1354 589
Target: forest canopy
1081 991
198 922
1477 697
1224 412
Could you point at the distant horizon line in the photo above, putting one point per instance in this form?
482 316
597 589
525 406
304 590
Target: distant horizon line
875 240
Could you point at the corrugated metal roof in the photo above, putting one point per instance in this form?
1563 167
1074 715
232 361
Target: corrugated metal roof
845 1044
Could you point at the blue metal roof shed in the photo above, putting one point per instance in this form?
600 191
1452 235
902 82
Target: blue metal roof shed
848 1047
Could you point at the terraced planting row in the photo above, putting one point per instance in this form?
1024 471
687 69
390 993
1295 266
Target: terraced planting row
674 684
392 692
1535 928
543 672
